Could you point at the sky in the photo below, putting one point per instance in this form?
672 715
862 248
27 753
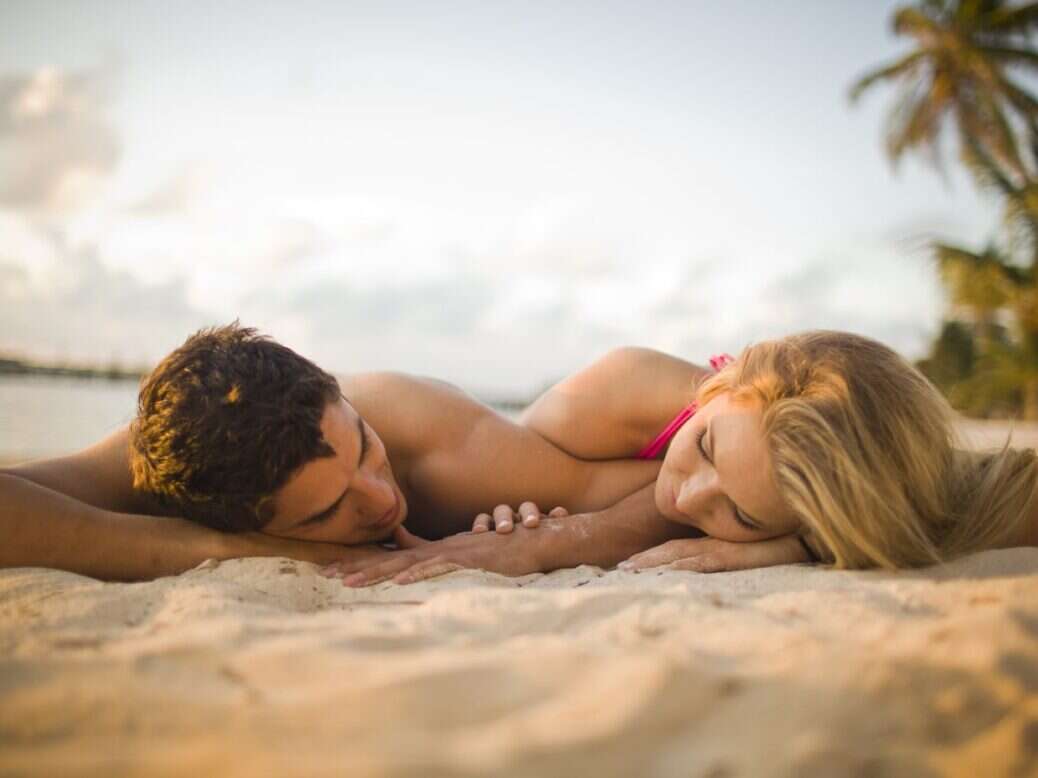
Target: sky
493 193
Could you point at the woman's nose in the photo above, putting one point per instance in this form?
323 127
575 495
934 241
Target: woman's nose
695 497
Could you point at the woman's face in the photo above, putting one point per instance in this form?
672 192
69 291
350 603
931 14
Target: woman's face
716 475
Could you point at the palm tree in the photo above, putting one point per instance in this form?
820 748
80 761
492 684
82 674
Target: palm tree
961 73
959 70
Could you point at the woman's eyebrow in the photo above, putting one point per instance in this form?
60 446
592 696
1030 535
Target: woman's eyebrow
742 514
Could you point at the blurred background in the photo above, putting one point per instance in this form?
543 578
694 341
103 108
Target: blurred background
495 193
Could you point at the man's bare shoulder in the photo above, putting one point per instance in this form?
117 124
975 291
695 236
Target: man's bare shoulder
412 412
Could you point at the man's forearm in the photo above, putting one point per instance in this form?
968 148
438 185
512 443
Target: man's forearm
43 528
608 537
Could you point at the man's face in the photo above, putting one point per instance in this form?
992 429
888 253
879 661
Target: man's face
348 498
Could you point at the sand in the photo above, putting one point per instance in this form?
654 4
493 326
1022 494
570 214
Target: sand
262 667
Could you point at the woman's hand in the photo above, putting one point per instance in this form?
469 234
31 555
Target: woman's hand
710 555
503 519
511 553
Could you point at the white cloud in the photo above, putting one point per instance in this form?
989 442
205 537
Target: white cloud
56 143
176 195
94 313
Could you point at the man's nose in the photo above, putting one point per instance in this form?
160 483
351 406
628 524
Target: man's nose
376 492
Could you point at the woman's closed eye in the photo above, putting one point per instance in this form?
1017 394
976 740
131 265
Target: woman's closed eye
737 515
742 521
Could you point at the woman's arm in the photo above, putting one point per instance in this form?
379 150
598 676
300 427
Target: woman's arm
614 407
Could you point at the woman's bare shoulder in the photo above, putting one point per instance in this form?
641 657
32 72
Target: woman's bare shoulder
642 387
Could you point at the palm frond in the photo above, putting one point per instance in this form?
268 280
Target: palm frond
1009 55
976 281
1020 19
1001 136
917 23
1024 102
969 12
903 67
982 167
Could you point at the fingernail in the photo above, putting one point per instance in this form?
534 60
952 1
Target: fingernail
627 567
353 580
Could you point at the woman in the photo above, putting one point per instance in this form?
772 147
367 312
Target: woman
820 445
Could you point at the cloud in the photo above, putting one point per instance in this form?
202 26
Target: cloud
174 196
879 291
56 144
94 313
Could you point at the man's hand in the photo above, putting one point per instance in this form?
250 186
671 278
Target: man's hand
710 555
260 544
513 554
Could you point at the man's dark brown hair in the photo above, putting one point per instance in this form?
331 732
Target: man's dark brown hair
223 422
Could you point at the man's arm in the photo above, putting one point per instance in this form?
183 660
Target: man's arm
40 527
80 513
604 538
99 475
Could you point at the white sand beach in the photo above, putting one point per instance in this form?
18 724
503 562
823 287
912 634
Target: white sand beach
262 667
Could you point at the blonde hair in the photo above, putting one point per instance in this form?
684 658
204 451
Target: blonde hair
864 451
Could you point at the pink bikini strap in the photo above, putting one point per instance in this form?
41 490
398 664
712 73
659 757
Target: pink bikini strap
660 442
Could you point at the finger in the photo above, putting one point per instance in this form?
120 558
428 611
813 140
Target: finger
504 519
481 523
405 539
425 570
365 572
666 553
377 573
558 512
704 563
530 514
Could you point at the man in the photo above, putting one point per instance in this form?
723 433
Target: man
241 447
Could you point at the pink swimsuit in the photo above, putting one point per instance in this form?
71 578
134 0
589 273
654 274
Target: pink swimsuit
660 442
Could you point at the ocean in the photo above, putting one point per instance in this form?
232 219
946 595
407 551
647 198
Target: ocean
45 416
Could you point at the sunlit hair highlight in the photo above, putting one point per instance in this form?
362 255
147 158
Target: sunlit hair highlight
223 422
864 452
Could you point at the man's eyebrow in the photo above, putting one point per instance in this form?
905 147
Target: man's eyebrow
327 512
363 440
743 514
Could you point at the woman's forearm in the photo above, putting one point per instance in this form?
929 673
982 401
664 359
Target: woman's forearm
607 537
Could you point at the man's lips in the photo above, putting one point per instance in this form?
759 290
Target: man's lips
387 518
